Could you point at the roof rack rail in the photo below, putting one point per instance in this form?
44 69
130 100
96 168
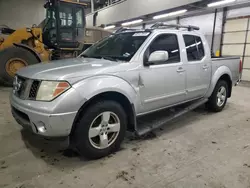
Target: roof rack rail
161 25
123 29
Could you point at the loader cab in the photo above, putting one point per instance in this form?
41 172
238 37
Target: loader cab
64 25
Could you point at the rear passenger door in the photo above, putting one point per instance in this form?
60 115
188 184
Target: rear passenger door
198 67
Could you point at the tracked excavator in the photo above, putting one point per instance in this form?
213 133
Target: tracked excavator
63 34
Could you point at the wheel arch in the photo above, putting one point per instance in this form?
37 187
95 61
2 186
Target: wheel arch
114 96
227 78
222 73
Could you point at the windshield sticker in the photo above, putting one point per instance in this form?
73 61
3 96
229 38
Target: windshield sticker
126 54
143 34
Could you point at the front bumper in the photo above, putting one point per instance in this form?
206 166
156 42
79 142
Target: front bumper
42 117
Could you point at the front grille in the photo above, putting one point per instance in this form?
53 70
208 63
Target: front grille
34 89
26 88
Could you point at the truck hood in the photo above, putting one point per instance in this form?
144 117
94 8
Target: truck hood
68 68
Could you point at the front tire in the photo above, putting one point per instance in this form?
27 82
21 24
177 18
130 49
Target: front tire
218 99
100 129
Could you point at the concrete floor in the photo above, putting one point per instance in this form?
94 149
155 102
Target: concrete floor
199 150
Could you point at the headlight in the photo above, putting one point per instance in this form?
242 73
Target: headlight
49 90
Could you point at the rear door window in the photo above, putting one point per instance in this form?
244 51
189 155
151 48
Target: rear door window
200 47
194 47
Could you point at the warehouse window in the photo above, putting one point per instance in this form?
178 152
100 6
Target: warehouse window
99 4
194 47
166 42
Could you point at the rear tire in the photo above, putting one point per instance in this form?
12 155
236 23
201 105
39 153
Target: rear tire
218 99
8 57
97 144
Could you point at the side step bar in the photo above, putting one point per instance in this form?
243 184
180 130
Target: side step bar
155 120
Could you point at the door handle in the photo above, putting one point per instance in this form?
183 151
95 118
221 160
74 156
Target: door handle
180 69
205 67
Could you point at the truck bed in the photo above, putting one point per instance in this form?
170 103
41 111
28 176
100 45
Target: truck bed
232 62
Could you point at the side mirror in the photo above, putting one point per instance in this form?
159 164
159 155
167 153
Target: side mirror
157 57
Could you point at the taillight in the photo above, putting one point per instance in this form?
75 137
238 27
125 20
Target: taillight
240 67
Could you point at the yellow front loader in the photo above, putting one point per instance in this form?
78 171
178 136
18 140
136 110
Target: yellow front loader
61 35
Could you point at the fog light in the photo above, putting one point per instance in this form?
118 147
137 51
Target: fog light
41 127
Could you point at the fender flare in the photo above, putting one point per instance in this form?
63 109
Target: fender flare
223 70
29 49
92 86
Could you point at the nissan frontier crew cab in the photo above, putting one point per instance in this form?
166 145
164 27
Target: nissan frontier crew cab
120 84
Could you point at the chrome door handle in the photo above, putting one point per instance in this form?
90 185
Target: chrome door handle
205 67
180 69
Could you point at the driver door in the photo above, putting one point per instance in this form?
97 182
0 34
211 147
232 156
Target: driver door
163 83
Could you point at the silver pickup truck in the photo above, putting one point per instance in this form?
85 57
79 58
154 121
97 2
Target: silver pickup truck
133 80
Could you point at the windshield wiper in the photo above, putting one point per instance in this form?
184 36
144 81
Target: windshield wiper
83 55
109 58
100 57
104 57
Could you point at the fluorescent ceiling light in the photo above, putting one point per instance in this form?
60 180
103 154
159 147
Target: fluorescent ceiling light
109 27
170 14
220 3
132 22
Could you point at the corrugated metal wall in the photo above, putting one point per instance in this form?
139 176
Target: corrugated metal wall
236 41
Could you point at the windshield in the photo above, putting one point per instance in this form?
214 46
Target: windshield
116 47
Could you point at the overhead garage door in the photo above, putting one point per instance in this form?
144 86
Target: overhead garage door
236 41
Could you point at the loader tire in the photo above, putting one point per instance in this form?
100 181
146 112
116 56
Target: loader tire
11 60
